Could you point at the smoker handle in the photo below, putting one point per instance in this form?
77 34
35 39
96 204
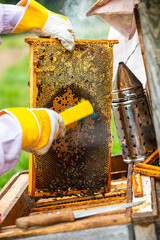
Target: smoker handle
45 219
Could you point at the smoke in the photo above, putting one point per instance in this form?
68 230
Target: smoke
77 9
85 27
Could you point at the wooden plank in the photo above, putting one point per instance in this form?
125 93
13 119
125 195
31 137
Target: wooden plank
87 223
10 183
153 157
150 22
147 172
32 104
154 197
129 188
139 30
148 216
14 190
32 82
147 166
137 185
150 19
157 183
109 175
15 202
31 187
110 232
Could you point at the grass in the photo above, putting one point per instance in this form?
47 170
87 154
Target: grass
14 92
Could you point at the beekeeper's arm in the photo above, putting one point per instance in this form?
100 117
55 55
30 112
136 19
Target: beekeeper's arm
21 128
32 130
28 15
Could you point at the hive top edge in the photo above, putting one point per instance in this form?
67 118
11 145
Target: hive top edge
54 40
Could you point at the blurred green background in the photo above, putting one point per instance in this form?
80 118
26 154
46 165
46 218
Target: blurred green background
14 56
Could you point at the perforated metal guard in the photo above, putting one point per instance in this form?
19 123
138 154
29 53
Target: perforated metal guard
80 162
132 116
135 129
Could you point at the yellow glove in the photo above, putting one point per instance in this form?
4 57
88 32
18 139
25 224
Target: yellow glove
39 127
38 19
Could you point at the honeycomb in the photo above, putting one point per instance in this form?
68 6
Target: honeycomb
79 162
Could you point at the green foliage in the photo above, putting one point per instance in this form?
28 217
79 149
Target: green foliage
22 165
15 41
116 147
9 1
14 90
53 5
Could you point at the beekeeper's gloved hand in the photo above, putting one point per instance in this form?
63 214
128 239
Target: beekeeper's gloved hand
37 18
39 127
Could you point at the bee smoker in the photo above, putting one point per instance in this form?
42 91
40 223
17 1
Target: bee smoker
132 117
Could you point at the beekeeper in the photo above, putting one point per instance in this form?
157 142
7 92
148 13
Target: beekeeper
32 130
119 15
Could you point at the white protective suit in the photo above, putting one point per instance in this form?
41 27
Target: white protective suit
10 131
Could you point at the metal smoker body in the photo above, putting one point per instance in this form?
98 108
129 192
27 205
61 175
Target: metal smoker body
132 117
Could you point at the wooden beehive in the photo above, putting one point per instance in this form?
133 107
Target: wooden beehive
80 162
15 202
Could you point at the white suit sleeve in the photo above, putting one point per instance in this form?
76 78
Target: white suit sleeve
10 143
9 16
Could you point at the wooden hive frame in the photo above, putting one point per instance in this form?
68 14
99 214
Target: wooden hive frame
33 102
